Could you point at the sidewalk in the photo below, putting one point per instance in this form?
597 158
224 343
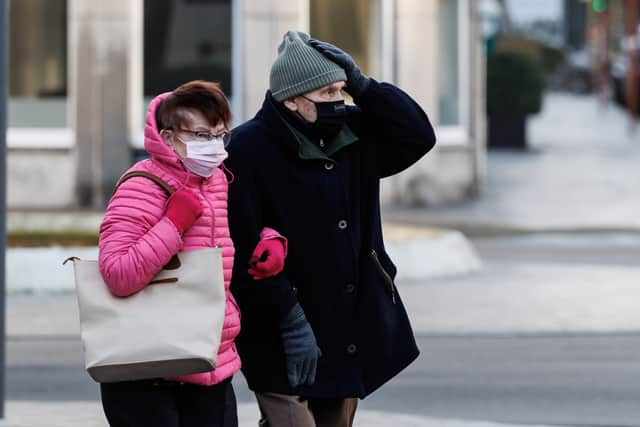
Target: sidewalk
527 299
531 298
89 414
581 173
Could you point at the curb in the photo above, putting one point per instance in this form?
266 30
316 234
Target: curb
478 229
419 252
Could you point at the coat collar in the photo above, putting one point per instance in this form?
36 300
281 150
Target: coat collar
310 151
295 140
269 113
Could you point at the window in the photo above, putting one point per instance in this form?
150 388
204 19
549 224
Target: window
353 25
186 40
38 64
448 64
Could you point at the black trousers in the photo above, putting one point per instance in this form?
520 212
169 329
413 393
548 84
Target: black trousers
160 403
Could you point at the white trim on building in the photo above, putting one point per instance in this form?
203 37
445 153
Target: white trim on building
40 138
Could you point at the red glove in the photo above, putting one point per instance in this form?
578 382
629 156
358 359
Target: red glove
267 259
183 209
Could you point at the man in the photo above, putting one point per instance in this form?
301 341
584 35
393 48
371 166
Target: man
331 327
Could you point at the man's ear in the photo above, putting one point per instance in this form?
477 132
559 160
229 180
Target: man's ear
291 105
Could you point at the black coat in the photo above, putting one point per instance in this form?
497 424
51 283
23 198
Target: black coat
337 267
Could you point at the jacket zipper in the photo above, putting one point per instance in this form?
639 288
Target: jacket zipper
384 273
213 218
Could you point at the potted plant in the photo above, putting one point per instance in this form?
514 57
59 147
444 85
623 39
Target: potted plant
514 91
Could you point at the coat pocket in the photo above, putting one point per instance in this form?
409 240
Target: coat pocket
385 275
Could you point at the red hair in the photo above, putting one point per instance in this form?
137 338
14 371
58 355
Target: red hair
200 95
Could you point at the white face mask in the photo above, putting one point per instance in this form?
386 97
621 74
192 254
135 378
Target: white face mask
203 157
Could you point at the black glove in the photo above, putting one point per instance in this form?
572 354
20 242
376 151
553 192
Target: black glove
356 81
300 348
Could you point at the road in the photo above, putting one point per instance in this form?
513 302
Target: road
577 380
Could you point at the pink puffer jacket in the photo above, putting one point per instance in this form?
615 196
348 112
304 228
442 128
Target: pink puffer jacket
137 239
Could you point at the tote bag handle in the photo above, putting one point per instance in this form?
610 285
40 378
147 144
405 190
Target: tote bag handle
166 187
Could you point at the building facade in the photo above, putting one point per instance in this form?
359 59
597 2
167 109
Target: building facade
82 72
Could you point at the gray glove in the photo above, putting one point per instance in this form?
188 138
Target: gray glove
356 81
300 348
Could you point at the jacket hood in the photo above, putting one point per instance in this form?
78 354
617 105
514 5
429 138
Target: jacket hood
153 142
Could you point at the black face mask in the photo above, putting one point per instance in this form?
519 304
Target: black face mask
331 118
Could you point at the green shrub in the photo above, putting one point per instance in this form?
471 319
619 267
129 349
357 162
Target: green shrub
514 84
31 238
552 58
548 57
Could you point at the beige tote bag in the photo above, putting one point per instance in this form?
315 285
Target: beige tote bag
172 327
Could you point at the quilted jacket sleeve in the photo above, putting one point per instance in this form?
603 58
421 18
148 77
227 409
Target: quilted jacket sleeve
268 233
136 239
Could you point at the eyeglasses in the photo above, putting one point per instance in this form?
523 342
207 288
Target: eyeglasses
203 135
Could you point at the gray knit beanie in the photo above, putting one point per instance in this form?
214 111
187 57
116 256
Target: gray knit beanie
299 68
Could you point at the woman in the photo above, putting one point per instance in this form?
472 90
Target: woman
185 134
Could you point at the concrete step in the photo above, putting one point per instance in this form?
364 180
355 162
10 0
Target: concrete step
419 252
422 253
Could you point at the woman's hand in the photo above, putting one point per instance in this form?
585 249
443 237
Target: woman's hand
183 209
268 258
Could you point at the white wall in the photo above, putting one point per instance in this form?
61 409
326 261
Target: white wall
41 178
264 22
450 172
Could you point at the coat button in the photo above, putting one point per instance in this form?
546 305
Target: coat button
328 166
350 288
351 349
295 290
342 224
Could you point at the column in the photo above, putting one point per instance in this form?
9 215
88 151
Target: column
416 53
263 24
100 42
